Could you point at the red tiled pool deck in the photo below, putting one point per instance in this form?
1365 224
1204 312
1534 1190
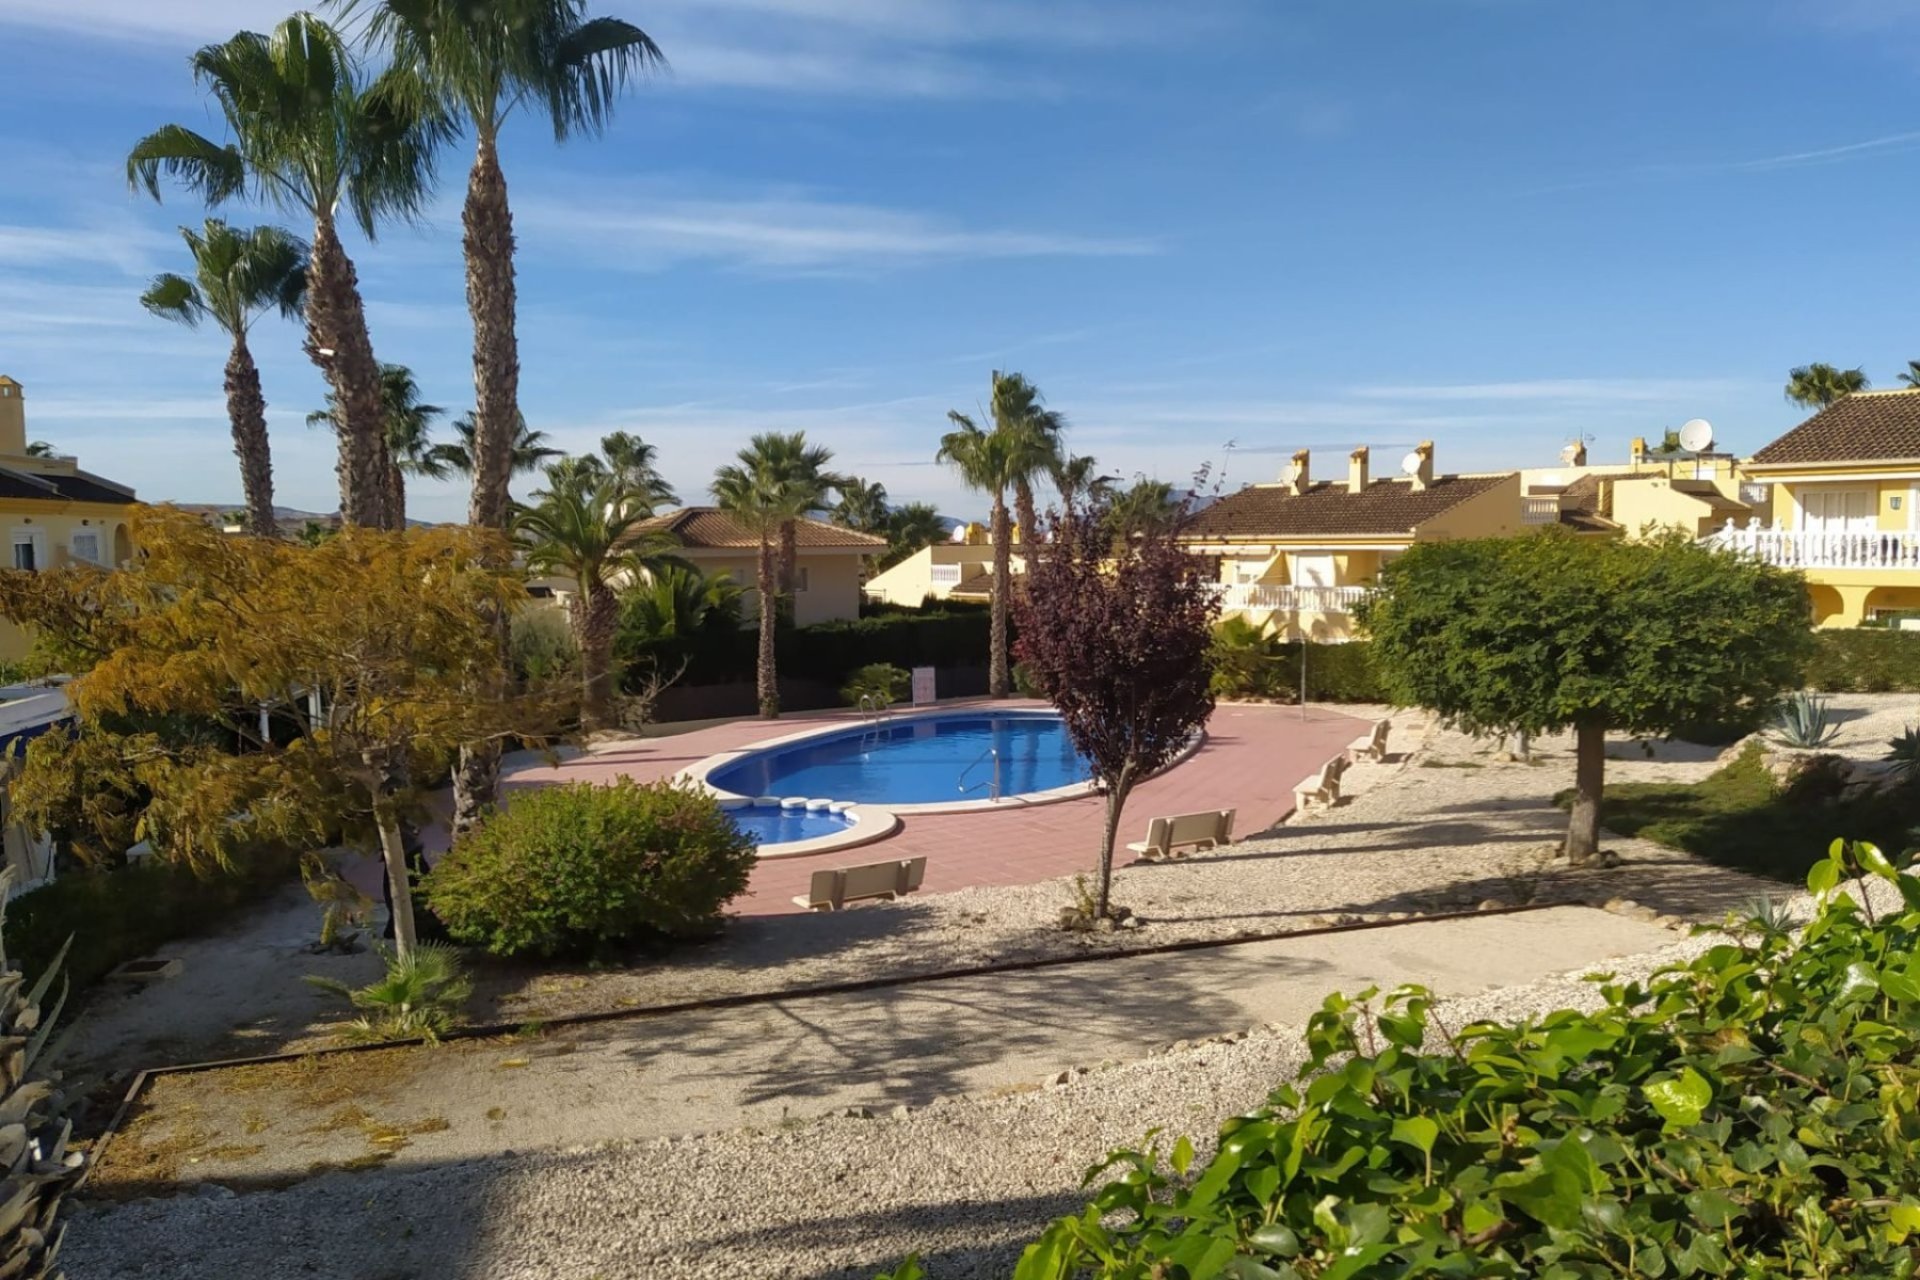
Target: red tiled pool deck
1251 759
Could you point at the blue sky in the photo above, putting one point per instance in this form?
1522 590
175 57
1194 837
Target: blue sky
1493 223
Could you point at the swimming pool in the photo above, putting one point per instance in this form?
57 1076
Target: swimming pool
948 758
772 824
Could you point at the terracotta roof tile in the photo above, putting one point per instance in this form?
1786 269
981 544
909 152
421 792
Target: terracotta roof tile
1865 426
1327 508
713 528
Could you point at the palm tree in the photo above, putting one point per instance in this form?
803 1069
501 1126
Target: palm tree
1912 374
1146 507
586 528
1815 386
42 449
476 62
909 528
309 134
988 461
409 434
1033 441
1078 479
862 506
634 461
238 275
530 448
774 481
676 609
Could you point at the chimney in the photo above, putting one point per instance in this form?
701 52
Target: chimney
1579 453
1357 470
1423 474
1298 476
1637 452
13 418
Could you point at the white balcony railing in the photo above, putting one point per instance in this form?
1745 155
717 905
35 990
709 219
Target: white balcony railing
1265 597
1540 511
1794 549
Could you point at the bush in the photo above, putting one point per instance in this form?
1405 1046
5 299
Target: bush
115 915
1868 660
1247 661
540 644
1752 1113
883 682
420 998
570 870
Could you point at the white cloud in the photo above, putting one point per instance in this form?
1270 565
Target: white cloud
782 232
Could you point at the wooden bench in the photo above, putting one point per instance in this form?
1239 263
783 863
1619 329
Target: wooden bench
1185 831
1373 746
832 890
1323 788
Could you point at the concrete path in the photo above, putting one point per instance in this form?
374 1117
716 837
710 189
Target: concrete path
792 1059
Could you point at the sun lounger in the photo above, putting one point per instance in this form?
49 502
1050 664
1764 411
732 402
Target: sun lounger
1323 788
832 890
1373 746
1172 837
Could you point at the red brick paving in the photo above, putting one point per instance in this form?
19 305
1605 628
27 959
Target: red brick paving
1252 757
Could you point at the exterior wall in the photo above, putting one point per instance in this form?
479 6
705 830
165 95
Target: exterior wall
1846 597
833 582
912 580
53 528
1652 501
1494 513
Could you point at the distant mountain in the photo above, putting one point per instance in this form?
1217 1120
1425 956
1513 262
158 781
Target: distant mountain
289 517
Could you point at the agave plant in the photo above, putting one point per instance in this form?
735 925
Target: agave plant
1804 722
37 1166
1904 751
419 998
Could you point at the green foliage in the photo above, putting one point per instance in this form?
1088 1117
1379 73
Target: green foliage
540 644
1866 660
677 613
828 651
1804 720
1246 660
1753 1113
116 915
883 682
1547 631
40 1168
1904 751
419 997
569 870
1250 662
1740 817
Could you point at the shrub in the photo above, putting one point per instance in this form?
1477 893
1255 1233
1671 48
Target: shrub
572 869
1805 721
1868 660
420 997
1752 1113
881 681
1247 661
40 1167
115 915
540 644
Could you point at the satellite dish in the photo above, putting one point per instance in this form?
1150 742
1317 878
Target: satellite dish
1696 436
1410 465
1568 454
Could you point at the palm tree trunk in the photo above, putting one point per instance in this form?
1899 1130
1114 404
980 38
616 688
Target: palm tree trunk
487 223
998 682
766 674
396 493
338 342
247 412
596 619
789 556
1024 512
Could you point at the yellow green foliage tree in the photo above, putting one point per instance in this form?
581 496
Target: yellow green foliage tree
390 632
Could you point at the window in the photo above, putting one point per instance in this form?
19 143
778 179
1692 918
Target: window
1837 511
945 575
1314 571
800 579
25 552
86 546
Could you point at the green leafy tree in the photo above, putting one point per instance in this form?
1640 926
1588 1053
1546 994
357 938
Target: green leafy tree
986 463
411 450
238 276
531 451
1032 435
772 484
42 449
1549 631
1078 480
862 506
1147 506
310 134
585 526
1815 386
636 465
674 611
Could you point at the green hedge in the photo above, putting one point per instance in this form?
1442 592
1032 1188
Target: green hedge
1752 1113
1867 660
117 915
828 652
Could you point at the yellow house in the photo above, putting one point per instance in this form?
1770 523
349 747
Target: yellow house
1845 485
1696 493
54 513
1297 555
827 566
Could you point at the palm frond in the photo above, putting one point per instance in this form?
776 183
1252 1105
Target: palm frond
213 172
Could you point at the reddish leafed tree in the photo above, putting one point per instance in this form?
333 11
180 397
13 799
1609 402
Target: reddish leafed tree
1116 634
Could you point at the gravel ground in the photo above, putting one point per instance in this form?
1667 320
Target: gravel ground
964 1182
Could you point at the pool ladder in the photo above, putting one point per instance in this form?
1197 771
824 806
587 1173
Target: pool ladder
874 713
993 783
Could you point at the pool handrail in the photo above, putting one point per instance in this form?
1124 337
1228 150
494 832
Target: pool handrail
993 783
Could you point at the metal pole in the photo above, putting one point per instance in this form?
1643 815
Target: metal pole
1303 673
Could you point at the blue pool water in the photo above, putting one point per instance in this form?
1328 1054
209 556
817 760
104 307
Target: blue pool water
770 825
927 760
